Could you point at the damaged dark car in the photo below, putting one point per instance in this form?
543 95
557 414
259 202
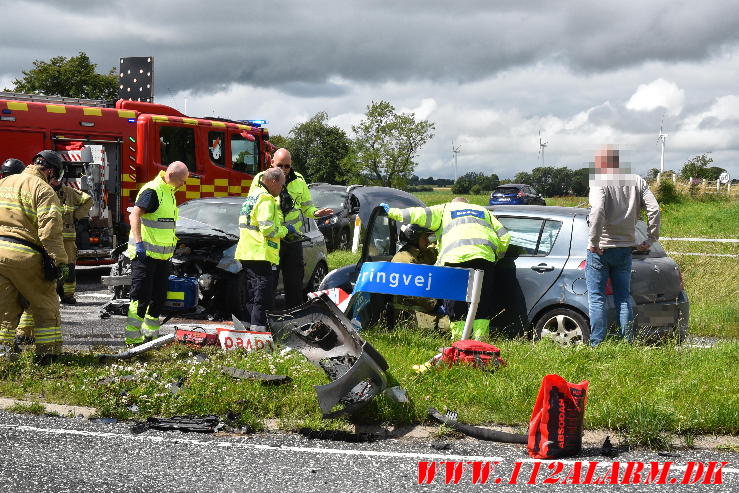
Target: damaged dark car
207 233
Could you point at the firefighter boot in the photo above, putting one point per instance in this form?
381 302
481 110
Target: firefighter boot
480 329
69 286
457 329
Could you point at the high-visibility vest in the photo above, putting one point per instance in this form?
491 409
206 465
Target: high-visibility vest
260 227
158 227
301 197
464 231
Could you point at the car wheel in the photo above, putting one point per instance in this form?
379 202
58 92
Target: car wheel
315 279
344 240
564 326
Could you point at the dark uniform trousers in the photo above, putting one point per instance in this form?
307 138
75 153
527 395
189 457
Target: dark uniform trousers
149 285
259 291
457 310
292 268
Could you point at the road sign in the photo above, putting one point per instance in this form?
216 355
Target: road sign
724 177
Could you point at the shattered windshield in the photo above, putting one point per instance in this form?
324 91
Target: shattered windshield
219 215
328 198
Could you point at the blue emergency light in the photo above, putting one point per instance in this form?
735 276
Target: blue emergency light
254 123
132 120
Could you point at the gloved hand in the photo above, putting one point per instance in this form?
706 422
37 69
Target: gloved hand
63 271
386 207
291 229
140 251
440 310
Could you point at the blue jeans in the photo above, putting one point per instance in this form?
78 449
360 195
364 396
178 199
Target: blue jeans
616 264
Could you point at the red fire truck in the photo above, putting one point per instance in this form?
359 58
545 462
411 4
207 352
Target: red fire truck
113 148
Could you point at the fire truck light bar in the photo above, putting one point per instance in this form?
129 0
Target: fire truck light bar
132 120
255 123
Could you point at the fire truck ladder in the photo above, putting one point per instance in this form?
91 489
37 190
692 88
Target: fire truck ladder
40 98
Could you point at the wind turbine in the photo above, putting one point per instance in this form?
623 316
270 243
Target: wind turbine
661 139
455 151
542 145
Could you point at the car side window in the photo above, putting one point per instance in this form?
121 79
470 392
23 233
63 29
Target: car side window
378 240
548 237
531 236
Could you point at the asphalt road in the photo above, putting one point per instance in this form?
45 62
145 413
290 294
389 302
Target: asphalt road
41 454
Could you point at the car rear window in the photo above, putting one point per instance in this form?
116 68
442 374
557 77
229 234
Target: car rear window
505 191
532 236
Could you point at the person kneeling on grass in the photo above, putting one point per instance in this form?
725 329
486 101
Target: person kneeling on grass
416 249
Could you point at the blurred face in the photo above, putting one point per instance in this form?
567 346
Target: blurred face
282 161
606 159
423 242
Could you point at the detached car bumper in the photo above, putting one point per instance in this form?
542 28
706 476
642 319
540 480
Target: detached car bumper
663 319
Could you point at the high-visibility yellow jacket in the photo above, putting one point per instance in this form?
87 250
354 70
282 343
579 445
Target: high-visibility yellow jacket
30 211
464 231
300 193
75 206
158 227
260 227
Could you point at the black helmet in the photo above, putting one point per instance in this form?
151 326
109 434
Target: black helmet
51 159
11 166
410 233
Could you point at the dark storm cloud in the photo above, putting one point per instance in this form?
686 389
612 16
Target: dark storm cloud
298 46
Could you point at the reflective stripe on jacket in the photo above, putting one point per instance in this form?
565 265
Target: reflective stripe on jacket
464 231
158 227
300 193
30 210
260 227
75 206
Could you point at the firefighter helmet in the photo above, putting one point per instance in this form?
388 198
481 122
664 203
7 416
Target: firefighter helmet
11 166
410 234
50 159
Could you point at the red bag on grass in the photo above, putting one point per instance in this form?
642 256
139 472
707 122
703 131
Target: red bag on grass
476 353
555 429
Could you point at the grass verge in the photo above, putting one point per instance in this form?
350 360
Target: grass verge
643 392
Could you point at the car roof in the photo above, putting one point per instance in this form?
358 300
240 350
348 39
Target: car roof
512 185
328 186
538 210
369 197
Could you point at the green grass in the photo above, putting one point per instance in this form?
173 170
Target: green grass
33 408
340 258
695 219
641 392
712 284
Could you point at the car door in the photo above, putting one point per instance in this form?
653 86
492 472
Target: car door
535 259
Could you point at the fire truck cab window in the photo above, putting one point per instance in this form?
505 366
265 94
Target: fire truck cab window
216 142
177 144
244 154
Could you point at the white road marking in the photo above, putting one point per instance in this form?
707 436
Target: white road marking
715 240
311 450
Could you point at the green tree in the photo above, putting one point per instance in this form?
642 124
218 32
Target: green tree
74 77
318 149
386 144
521 177
652 174
580 186
696 167
279 141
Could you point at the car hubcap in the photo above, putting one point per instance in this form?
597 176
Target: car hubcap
562 329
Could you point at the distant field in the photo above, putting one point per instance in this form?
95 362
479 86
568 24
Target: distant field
441 195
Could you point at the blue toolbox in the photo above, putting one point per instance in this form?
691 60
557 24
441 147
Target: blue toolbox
182 294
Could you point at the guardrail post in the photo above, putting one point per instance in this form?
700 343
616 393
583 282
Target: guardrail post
472 312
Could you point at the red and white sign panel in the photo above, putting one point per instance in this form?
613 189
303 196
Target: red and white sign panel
337 295
245 339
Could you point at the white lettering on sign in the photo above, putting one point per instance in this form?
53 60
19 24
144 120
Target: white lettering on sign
245 339
395 279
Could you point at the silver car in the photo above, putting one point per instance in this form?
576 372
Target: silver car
541 280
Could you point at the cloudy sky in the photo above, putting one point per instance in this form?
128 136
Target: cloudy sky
490 75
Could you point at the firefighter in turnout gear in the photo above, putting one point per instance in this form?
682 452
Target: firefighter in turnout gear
75 207
469 236
11 166
295 203
151 243
32 255
260 230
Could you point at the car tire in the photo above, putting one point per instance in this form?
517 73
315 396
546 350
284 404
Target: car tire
344 242
562 325
315 279
235 295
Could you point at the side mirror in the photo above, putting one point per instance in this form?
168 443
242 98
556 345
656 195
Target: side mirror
248 136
